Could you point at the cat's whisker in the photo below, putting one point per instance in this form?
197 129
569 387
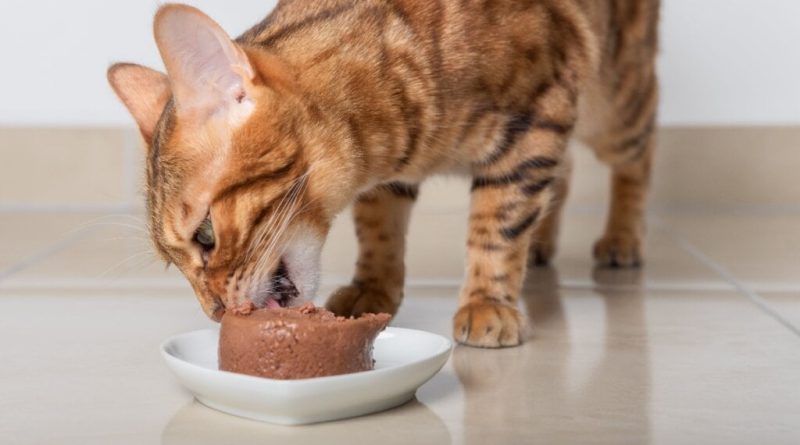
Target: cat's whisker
277 234
266 251
140 264
283 224
124 262
264 229
283 206
290 201
117 224
125 238
102 221
297 212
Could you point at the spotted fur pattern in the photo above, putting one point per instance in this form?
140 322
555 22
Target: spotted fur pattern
358 101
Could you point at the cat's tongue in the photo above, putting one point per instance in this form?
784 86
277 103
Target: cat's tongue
273 304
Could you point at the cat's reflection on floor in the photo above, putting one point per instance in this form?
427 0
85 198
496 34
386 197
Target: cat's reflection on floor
411 423
583 374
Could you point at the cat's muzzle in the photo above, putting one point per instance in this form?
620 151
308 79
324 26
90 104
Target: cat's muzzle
281 291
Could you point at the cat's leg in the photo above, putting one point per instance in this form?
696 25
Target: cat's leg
511 193
381 219
628 150
621 244
545 235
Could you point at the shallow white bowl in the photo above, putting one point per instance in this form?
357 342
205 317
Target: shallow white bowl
404 360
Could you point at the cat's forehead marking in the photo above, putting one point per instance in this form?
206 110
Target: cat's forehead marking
164 129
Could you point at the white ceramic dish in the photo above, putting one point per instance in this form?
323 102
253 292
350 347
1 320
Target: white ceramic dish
404 360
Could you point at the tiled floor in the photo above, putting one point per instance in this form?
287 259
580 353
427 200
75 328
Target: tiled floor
701 346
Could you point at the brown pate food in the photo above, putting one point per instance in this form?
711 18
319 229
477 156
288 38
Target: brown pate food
297 342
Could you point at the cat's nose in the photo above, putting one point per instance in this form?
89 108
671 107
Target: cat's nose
212 305
218 310
210 301
225 290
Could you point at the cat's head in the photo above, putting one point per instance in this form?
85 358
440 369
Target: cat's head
242 180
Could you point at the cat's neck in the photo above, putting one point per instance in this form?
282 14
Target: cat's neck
354 112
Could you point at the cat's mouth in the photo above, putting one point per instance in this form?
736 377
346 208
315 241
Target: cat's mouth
280 290
292 281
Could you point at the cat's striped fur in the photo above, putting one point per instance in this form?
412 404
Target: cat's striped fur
357 102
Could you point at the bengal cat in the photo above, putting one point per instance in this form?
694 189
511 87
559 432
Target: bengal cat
255 144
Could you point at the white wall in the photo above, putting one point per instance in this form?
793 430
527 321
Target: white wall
730 61
723 61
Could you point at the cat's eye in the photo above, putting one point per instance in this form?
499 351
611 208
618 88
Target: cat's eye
205 235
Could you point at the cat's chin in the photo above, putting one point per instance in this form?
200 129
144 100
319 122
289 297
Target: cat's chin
295 280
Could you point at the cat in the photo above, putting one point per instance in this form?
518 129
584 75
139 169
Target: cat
254 145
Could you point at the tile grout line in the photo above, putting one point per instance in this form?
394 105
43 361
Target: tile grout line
753 296
44 253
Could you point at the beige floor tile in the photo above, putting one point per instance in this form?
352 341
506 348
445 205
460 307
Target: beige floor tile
626 367
762 251
116 254
785 304
599 367
64 166
436 252
667 265
24 236
78 366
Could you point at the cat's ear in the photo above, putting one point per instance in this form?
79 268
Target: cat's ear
208 72
144 92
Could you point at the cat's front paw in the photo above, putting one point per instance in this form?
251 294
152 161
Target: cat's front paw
356 300
621 250
488 324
